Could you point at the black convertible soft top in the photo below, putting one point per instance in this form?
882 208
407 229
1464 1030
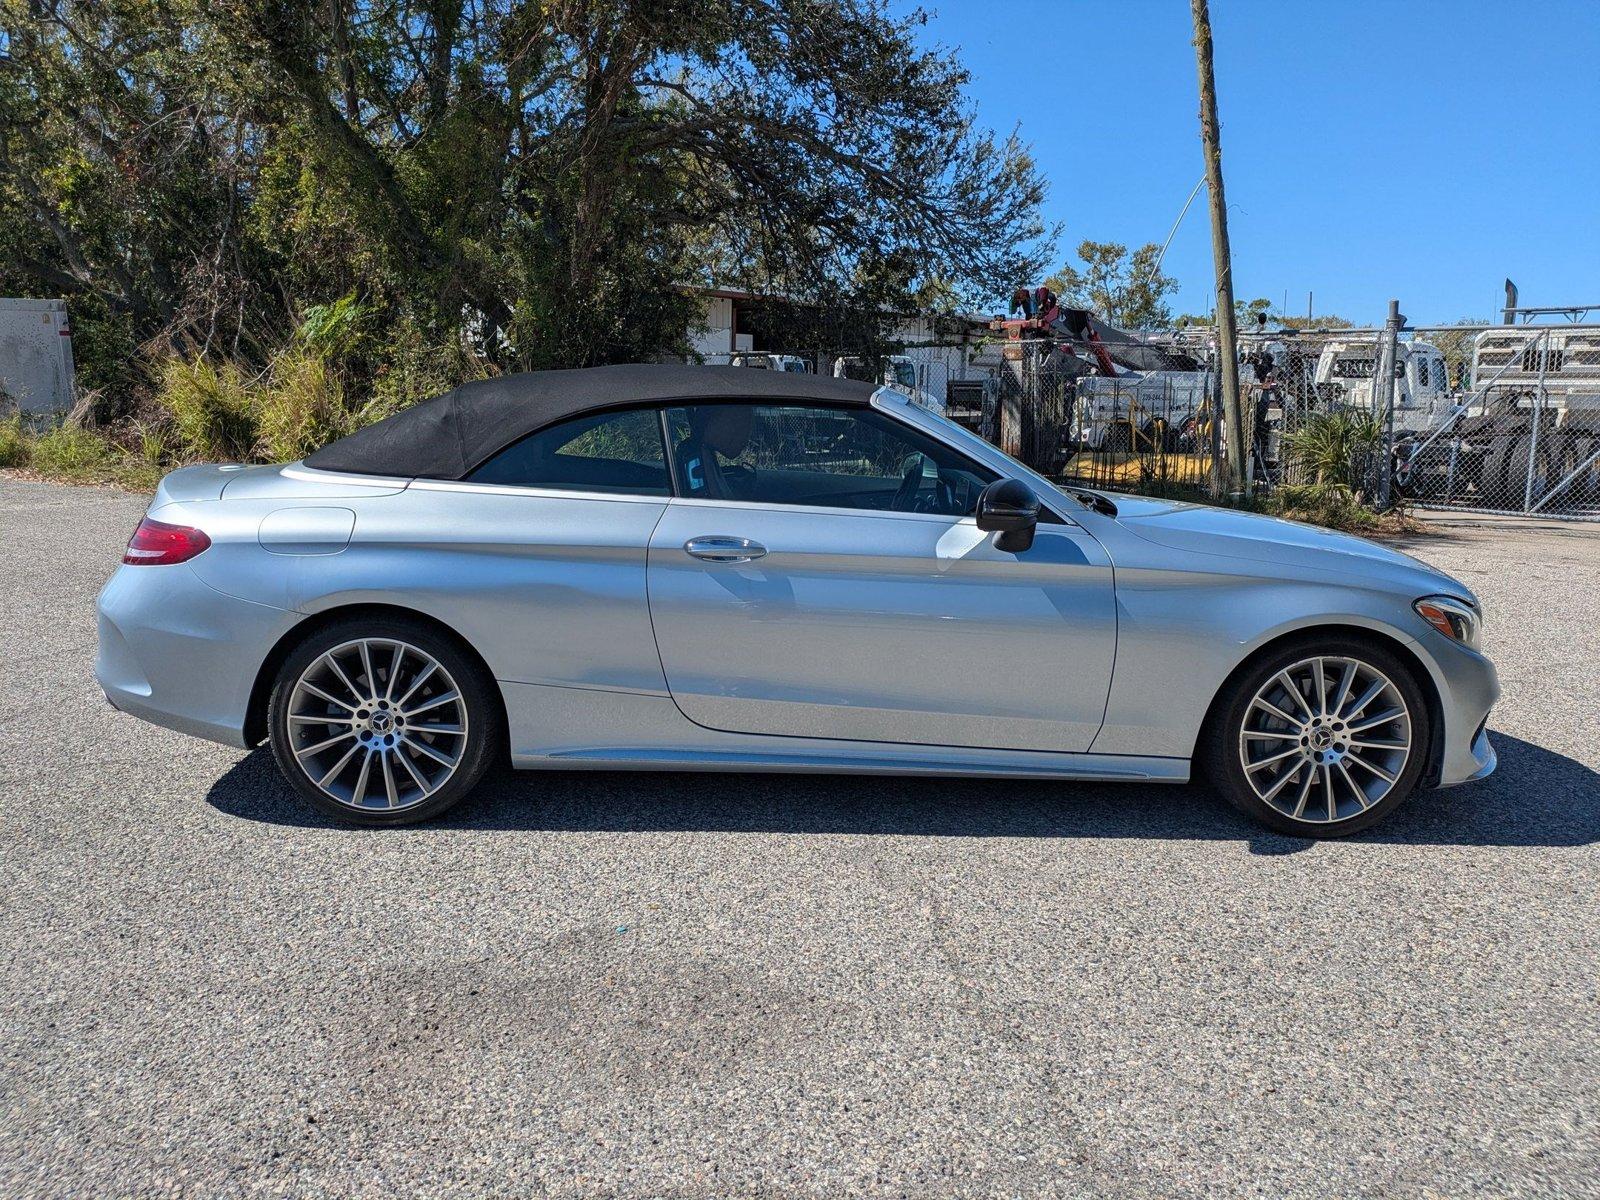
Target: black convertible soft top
450 435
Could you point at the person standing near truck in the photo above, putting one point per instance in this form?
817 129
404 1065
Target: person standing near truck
1266 381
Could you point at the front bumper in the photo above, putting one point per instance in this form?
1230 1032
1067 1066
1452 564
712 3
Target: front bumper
1468 687
1483 754
178 653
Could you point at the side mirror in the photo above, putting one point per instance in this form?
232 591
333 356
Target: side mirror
1009 507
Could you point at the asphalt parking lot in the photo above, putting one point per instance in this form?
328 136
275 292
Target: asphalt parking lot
704 986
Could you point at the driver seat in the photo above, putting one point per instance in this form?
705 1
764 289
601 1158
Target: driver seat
720 430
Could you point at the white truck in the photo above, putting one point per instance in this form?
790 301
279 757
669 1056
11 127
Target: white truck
899 372
1137 409
770 362
36 372
1423 398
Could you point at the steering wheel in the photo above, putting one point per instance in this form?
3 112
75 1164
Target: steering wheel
905 496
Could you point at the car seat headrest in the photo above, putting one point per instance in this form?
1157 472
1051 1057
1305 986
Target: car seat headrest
727 429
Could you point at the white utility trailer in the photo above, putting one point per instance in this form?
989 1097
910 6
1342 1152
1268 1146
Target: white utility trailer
35 356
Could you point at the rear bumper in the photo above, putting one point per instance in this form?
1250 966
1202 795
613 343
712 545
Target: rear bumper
180 654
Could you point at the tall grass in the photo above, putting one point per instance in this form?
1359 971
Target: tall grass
299 408
211 409
73 453
219 416
208 410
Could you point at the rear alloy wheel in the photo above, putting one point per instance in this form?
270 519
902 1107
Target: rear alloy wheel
1321 740
381 723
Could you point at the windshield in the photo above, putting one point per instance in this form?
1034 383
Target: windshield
905 374
963 438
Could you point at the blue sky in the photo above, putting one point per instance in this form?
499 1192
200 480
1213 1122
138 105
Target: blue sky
1423 151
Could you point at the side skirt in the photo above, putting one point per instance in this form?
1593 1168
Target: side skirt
561 728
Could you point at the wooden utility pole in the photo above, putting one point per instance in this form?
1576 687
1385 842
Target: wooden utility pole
1222 260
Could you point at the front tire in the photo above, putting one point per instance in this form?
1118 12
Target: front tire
1320 738
382 721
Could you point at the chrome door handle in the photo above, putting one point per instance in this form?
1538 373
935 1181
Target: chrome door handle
719 548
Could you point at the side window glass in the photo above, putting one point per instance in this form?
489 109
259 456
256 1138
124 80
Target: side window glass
617 452
819 457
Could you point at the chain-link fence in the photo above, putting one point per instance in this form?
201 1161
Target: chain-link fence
1501 418
1084 421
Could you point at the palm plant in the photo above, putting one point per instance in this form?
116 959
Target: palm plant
1334 448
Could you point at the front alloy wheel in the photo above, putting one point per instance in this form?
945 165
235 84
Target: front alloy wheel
1325 739
1321 740
381 724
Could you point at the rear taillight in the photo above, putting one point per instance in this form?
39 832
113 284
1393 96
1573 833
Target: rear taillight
156 544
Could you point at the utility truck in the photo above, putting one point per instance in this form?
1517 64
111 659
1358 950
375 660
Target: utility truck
1423 397
1099 388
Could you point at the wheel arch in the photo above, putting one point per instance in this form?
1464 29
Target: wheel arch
255 722
1356 633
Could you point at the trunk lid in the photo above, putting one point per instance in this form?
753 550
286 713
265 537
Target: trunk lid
189 484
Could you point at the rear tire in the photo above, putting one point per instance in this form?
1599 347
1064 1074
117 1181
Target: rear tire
1585 486
1517 470
1327 770
1493 484
383 721
1119 438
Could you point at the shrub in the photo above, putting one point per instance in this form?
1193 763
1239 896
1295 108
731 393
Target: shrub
1333 505
333 331
15 444
1334 448
210 408
416 369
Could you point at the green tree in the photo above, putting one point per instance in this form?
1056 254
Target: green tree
1456 343
499 185
1245 313
1127 289
1250 313
1323 321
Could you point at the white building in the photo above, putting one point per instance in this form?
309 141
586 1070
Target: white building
942 348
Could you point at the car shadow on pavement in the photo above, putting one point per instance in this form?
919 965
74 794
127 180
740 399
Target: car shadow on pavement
1536 798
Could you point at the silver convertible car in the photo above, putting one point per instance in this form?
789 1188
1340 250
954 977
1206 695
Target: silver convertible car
687 568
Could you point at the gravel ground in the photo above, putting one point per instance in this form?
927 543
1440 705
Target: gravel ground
669 985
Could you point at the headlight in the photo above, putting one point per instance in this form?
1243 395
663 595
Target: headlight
1456 619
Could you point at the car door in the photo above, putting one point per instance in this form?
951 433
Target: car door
537 557
819 575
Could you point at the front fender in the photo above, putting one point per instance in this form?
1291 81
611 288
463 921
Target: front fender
1181 634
